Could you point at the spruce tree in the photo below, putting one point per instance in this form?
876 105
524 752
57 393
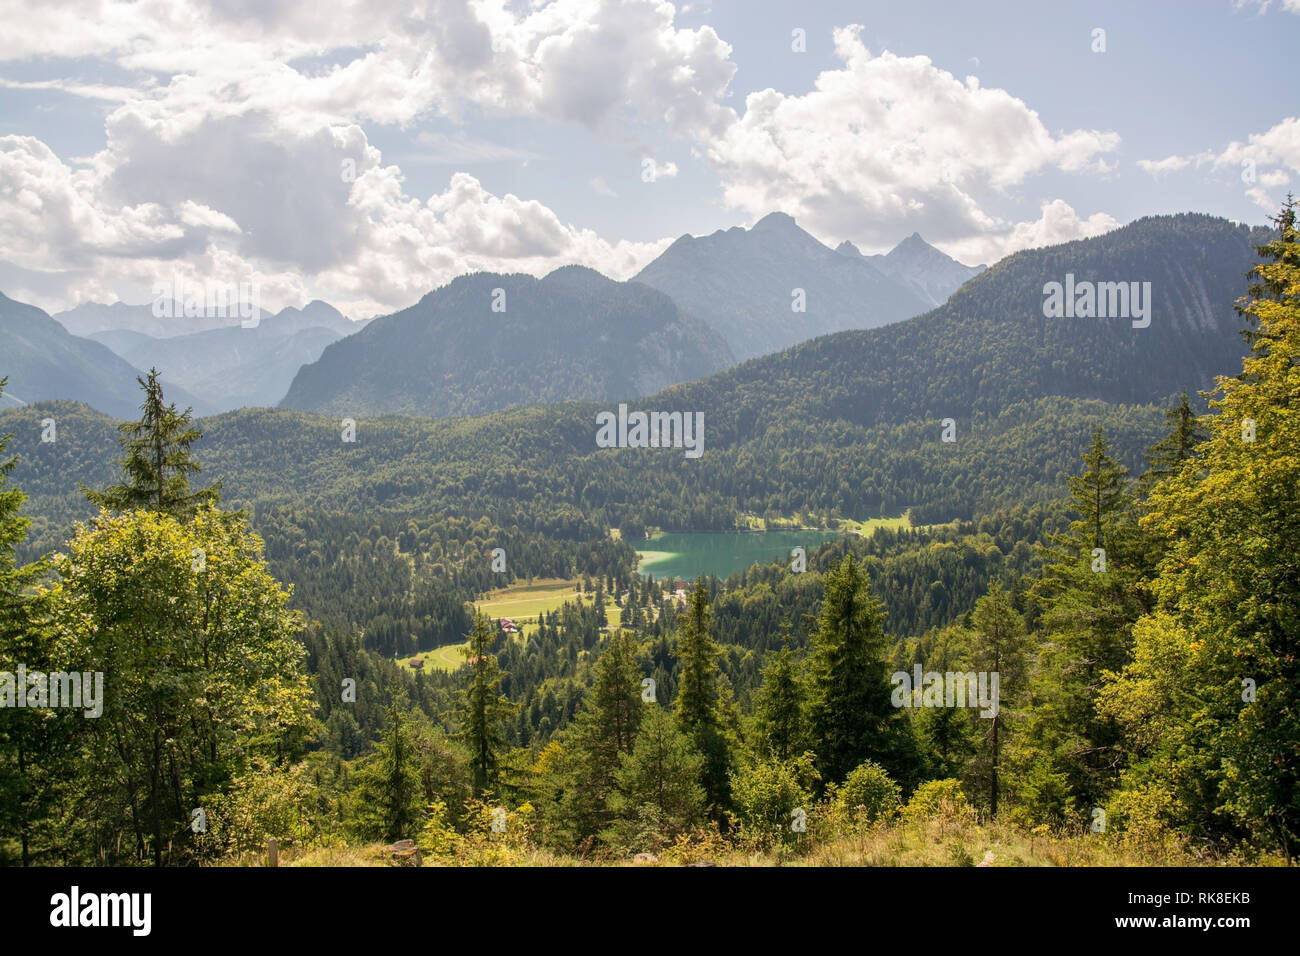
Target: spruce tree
1000 644
389 792
157 465
778 705
1167 456
1091 592
603 731
483 710
697 706
659 792
850 717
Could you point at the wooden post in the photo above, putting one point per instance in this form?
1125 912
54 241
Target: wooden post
272 852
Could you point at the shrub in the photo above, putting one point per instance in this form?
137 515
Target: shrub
767 795
868 795
939 798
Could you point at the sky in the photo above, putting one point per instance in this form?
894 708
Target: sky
366 153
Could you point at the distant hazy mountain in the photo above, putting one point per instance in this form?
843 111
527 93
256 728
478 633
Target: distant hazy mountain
573 334
742 282
925 270
91 317
44 361
235 367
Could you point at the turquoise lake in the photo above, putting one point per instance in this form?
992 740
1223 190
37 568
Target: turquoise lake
686 555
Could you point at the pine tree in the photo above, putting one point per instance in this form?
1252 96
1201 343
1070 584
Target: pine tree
389 793
157 465
697 705
1092 593
604 730
1000 644
850 717
779 704
483 710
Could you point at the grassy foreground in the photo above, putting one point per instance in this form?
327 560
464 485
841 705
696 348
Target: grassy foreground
933 841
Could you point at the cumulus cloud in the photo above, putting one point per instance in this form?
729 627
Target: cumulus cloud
391 61
1161 167
886 145
1264 162
1057 222
241 152
371 247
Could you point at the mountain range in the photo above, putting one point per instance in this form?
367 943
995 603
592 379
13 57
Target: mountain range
770 286
234 367
489 341
44 361
929 273
849 421
90 317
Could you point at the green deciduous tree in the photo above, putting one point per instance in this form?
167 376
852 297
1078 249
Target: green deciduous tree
201 672
33 743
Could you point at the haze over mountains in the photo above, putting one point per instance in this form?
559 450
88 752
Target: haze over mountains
850 420
231 366
573 334
208 362
583 336
743 282
90 318
44 361
576 334
929 273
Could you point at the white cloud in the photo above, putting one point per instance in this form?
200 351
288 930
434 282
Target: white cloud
652 169
1261 163
374 248
601 188
1161 167
887 145
226 161
581 61
1057 222
1291 6
205 217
